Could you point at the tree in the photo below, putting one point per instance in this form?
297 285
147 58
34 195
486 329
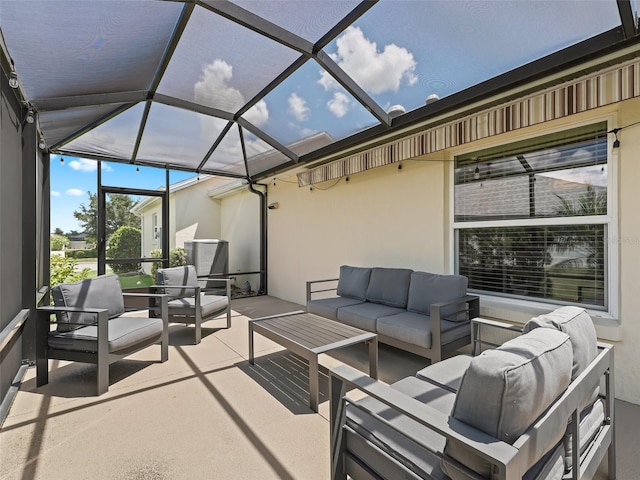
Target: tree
58 231
118 212
58 242
125 243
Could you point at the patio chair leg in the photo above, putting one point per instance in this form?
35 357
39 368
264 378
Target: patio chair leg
42 362
229 316
103 353
198 332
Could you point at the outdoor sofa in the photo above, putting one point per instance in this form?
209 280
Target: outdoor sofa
538 407
424 313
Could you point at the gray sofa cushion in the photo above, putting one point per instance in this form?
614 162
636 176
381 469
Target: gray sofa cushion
328 307
365 315
176 276
125 335
505 390
389 286
98 292
448 373
575 322
415 329
376 433
427 288
209 304
353 282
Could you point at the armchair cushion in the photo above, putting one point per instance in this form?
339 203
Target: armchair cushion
209 304
178 276
505 390
389 286
353 282
99 292
125 334
427 288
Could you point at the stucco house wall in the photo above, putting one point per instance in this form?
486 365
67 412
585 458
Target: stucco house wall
401 218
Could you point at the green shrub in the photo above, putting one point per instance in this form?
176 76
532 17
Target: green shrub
64 270
82 253
58 242
125 243
177 257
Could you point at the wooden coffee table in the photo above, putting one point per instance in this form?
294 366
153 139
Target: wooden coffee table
309 335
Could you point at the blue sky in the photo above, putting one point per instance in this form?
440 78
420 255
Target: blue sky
71 181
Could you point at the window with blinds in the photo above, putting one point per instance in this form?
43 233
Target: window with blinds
531 218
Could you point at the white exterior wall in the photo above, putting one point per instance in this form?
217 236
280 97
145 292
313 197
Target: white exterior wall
391 218
240 225
194 215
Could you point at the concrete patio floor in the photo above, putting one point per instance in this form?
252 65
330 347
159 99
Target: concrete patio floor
204 414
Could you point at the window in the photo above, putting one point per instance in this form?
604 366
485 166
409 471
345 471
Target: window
531 219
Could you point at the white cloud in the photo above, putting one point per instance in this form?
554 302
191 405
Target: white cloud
85 165
75 192
339 105
375 71
54 193
298 107
258 114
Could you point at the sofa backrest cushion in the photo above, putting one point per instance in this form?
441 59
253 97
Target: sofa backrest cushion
575 322
178 276
98 292
427 288
353 282
389 286
505 390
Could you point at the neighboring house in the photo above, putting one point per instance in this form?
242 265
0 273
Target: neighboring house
193 214
78 242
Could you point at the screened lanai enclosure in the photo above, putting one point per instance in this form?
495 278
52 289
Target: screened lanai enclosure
238 88
250 90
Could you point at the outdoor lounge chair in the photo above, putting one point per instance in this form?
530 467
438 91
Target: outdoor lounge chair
194 304
91 327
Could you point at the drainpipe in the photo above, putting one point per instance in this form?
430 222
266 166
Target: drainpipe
263 218
263 236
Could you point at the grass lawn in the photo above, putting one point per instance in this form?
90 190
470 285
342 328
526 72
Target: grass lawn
136 281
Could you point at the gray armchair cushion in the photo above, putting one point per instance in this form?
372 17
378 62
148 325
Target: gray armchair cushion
209 305
389 286
178 276
353 282
98 292
427 288
448 373
125 334
505 390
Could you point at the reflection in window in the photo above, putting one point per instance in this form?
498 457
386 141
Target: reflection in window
531 221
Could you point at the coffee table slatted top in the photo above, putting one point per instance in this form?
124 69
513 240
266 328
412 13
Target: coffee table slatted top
314 334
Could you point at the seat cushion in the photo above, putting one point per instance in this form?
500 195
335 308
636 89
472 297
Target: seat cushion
415 329
447 373
328 307
374 432
353 282
389 286
365 315
125 334
177 276
210 305
591 420
103 292
505 390
428 288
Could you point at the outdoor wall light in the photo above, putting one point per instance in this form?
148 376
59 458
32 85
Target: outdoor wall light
13 80
30 118
273 206
616 142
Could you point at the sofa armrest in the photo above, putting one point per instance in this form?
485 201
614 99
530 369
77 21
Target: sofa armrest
345 378
476 337
311 283
472 310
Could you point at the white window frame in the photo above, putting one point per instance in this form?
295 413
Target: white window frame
520 309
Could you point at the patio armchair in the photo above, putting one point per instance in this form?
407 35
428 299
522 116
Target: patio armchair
189 303
91 327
